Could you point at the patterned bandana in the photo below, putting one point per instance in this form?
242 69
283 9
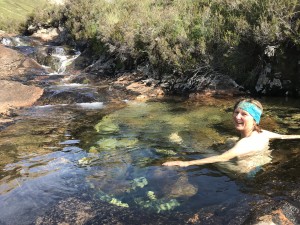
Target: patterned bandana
252 109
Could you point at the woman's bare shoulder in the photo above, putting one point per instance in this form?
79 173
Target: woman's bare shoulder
254 143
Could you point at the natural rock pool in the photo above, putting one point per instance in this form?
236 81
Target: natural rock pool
100 163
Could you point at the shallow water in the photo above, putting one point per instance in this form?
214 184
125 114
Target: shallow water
114 157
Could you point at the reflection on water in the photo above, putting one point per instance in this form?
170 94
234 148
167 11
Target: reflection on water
115 158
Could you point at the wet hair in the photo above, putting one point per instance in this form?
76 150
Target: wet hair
256 103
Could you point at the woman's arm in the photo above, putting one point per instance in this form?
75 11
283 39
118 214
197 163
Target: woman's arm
217 158
242 147
272 135
291 136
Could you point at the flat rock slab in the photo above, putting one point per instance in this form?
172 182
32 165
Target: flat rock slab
15 64
15 95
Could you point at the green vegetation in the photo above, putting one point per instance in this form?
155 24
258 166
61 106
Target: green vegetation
181 35
14 12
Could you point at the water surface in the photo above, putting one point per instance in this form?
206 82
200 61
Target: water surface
113 157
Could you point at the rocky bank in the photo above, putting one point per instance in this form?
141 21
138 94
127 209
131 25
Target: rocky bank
15 70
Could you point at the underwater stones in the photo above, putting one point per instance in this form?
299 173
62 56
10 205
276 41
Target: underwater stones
86 161
181 188
174 137
269 122
215 118
112 183
170 205
117 202
158 205
293 121
296 116
113 143
127 143
106 125
150 201
109 143
68 211
93 150
138 183
179 120
112 200
166 152
151 195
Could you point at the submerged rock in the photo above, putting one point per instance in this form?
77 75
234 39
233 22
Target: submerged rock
77 211
139 183
181 188
107 125
158 205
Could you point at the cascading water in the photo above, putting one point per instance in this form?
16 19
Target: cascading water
56 58
62 58
16 41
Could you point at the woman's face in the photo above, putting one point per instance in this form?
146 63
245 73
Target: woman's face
243 121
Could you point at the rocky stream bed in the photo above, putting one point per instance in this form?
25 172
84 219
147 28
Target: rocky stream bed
26 82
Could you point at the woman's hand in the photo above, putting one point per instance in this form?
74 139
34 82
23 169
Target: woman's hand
176 163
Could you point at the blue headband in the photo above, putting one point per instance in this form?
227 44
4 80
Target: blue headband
252 109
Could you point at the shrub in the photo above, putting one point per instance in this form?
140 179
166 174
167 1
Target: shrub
180 35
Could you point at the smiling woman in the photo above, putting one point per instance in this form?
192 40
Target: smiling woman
253 140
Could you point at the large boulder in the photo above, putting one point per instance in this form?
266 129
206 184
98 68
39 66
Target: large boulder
16 66
15 95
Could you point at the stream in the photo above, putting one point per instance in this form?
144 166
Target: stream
95 161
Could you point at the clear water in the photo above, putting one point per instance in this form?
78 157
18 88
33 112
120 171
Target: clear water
113 155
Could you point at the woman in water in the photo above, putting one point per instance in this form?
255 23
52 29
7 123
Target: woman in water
253 140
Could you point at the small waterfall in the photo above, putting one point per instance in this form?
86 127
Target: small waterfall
16 41
57 58
62 59
59 90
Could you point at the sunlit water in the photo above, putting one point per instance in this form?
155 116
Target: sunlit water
114 156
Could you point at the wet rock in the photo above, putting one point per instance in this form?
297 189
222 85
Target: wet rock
272 212
231 213
181 188
70 211
76 211
143 87
16 66
102 66
10 98
279 74
67 97
208 82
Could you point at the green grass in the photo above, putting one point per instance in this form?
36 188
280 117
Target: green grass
15 12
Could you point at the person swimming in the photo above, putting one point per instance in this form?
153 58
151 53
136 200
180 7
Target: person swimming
253 140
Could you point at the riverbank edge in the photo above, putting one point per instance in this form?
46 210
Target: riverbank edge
19 70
